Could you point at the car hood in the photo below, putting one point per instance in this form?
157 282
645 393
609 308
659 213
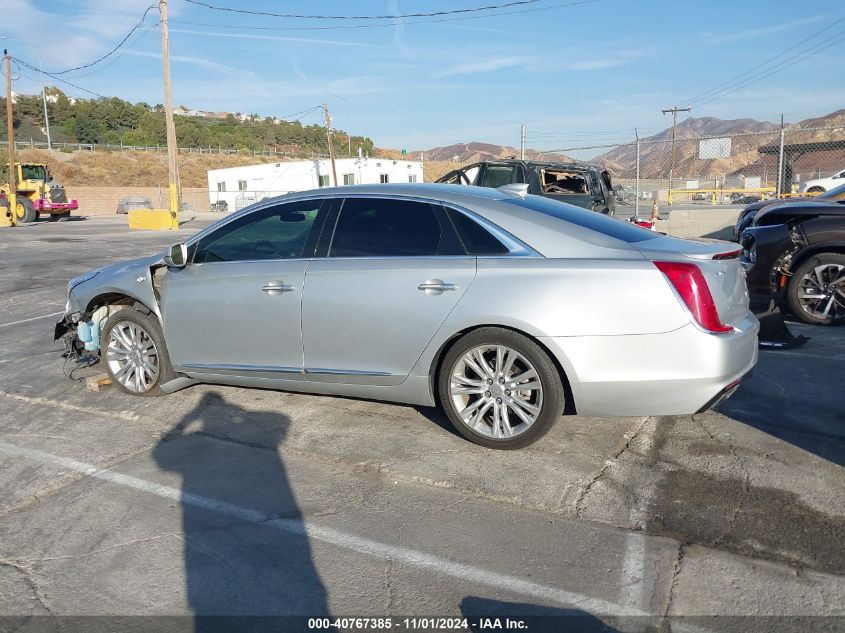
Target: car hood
128 265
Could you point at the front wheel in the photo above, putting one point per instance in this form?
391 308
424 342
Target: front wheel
133 352
500 389
25 210
816 291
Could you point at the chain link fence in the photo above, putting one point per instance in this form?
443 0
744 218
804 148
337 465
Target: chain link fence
729 169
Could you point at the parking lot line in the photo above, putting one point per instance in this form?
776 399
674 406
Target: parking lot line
337 538
43 316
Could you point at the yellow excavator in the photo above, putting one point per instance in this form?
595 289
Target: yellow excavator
36 193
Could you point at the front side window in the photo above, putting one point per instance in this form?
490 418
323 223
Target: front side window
498 175
221 186
277 232
375 227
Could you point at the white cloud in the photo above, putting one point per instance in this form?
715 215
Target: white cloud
474 68
750 34
198 62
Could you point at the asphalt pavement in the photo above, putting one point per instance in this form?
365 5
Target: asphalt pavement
232 502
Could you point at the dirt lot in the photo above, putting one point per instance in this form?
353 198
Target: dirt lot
228 501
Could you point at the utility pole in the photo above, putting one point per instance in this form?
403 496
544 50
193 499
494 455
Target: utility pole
780 191
172 147
329 137
10 130
522 142
674 112
637 182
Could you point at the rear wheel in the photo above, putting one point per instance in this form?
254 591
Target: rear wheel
500 389
24 210
133 352
816 190
816 291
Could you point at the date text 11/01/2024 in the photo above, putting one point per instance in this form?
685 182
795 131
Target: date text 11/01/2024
418 624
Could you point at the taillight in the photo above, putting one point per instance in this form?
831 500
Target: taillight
689 282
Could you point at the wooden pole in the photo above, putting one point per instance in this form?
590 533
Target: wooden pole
10 131
172 148
329 137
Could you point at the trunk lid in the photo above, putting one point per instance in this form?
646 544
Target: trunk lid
718 262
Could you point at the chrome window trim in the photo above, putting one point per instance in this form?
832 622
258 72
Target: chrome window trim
515 246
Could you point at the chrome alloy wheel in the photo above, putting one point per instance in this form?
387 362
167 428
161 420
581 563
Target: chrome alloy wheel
496 391
821 292
132 357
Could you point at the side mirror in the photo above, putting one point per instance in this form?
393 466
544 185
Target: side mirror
176 256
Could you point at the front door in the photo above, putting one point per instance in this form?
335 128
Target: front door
236 307
393 274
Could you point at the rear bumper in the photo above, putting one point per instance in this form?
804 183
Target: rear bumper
675 373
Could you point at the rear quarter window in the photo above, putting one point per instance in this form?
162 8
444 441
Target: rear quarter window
592 220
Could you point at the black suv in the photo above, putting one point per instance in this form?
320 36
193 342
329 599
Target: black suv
583 185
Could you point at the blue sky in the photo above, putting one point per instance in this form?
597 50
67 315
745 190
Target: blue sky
591 72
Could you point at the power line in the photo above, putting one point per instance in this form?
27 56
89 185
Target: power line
64 81
795 59
112 51
392 24
736 79
431 14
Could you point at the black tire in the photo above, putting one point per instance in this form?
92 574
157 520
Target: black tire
58 217
816 190
25 211
151 327
553 394
804 274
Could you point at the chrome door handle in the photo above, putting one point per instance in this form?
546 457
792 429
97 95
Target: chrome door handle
436 285
277 288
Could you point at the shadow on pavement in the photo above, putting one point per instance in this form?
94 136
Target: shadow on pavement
482 614
238 568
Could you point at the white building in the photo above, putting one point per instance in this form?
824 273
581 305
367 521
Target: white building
241 186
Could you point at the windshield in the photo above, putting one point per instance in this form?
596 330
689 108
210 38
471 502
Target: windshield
33 172
619 229
835 194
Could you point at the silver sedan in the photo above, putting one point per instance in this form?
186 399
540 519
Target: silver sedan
505 309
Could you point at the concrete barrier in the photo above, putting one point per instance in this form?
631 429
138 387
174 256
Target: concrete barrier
715 223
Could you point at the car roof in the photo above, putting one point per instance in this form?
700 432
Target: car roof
540 163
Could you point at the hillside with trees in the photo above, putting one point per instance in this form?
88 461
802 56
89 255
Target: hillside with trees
115 121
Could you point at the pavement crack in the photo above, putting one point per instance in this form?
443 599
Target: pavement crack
585 490
676 572
96 551
37 594
746 480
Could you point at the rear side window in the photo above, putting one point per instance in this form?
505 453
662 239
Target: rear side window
598 222
377 227
477 240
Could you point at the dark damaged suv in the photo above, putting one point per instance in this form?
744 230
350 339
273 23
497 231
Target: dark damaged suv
794 253
581 184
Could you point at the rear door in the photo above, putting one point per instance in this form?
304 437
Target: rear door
394 270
